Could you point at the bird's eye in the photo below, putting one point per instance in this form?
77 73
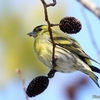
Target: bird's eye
39 29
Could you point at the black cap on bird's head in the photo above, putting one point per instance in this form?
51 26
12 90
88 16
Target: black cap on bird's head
36 30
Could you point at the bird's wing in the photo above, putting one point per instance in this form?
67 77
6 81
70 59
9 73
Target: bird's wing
73 46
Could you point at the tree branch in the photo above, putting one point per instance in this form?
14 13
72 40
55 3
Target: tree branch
23 81
91 33
49 28
90 6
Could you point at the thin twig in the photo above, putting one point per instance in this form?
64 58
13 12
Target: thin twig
52 4
23 82
91 6
91 33
49 28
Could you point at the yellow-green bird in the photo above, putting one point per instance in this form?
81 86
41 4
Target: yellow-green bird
68 52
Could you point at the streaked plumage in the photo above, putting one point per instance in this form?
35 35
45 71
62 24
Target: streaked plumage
68 52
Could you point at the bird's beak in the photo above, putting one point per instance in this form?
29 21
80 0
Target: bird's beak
30 34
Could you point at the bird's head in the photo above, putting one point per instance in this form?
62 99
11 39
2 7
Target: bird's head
38 30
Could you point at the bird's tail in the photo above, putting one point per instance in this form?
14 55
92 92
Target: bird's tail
92 76
95 69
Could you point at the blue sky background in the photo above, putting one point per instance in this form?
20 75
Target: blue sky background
13 89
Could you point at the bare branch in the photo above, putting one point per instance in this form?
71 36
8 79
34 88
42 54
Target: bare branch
90 6
49 28
23 81
91 33
52 4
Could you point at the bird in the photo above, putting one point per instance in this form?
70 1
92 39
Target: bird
69 54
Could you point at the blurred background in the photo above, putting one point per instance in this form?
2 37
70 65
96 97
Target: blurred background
17 18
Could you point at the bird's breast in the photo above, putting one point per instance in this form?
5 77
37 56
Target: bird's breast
43 51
